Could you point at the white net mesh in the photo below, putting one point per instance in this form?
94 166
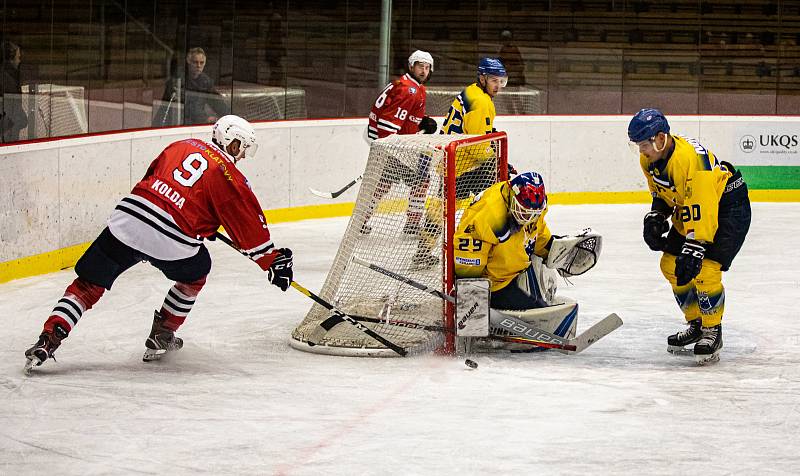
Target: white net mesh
265 103
509 101
400 223
54 110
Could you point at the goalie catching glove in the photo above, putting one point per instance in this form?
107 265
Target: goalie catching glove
280 271
574 255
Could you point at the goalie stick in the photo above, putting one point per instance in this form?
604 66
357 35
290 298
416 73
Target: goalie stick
337 316
514 325
337 192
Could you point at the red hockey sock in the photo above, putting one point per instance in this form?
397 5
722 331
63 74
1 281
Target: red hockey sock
179 302
78 298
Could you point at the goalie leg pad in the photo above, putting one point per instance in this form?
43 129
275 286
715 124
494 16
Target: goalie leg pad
560 319
472 307
535 287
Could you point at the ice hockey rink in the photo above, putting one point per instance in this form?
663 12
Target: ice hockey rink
238 400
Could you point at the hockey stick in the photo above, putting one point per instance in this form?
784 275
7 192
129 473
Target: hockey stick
432 328
337 314
404 279
517 326
337 192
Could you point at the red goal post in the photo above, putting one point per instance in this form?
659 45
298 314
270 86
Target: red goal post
413 193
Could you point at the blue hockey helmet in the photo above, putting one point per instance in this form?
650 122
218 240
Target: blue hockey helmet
528 199
646 124
492 66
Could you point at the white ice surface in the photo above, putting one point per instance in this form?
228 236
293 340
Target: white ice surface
238 400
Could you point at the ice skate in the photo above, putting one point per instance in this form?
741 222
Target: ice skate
690 335
160 341
710 344
44 348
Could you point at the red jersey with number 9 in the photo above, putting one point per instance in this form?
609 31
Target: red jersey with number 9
189 191
398 110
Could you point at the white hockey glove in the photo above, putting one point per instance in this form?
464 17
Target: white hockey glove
575 255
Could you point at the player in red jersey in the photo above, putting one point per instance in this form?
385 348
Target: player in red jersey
191 189
400 109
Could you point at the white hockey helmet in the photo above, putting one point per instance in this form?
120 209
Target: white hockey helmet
420 56
229 128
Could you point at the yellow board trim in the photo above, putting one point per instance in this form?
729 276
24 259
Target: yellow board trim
281 215
67 257
582 198
41 264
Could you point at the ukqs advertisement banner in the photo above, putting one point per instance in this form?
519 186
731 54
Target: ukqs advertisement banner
768 153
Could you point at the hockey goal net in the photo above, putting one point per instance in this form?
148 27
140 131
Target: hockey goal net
414 191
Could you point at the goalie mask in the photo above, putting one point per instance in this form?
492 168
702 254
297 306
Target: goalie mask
229 128
528 197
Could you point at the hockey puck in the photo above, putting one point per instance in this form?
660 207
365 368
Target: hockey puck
471 364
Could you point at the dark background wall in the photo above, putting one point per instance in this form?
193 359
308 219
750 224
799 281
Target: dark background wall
584 56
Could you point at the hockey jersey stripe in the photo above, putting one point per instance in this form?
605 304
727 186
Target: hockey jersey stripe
259 251
148 219
663 183
372 132
164 218
386 125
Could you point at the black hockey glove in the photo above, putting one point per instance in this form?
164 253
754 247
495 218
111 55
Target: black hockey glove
280 271
688 264
655 225
427 125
